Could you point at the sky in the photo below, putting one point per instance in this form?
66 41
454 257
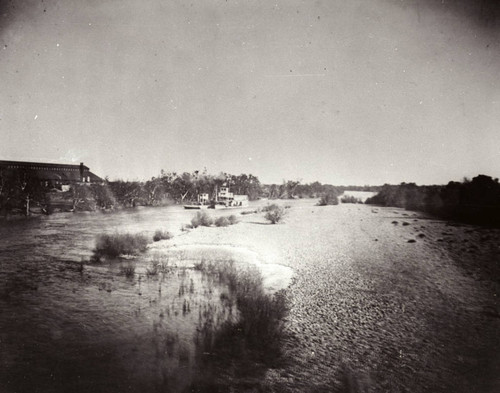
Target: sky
342 92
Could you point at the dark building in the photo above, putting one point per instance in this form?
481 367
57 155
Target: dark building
59 176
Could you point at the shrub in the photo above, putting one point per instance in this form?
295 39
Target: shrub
161 235
119 244
328 199
201 218
267 207
233 219
274 213
222 222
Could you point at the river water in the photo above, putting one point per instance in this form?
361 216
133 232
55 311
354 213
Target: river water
70 325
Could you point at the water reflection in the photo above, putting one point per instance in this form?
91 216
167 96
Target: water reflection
154 323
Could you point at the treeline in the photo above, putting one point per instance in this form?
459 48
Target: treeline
294 189
476 201
172 187
22 192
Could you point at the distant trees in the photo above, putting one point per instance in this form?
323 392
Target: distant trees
127 194
246 185
171 187
476 201
294 189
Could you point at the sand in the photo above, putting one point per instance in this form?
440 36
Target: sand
381 299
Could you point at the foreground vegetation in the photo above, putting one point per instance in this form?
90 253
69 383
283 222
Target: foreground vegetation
235 355
118 244
476 201
203 219
274 213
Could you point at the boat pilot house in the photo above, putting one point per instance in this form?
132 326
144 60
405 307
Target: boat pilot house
231 200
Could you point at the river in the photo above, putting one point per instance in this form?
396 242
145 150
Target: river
69 325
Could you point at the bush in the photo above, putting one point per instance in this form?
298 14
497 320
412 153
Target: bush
161 235
222 222
274 213
328 199
203 219
267 207
233 219
118 244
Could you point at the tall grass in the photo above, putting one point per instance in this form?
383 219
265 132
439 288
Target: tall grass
128 270
159 265
117 244
241 349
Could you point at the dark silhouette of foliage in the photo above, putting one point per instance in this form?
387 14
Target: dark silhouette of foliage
476 201
20 191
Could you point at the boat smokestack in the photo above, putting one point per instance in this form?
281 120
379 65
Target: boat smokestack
81 171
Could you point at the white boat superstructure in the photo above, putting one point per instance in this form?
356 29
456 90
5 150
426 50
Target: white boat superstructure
228 199
223 199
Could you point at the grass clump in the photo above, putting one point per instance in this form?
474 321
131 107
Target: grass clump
201 219
117 244
274 213
127 270
161 235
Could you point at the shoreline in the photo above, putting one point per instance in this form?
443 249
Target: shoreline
390 306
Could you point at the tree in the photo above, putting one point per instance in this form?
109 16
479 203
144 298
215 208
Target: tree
19 190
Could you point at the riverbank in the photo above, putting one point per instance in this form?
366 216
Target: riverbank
381 299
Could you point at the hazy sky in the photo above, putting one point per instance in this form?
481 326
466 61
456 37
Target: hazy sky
344 92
